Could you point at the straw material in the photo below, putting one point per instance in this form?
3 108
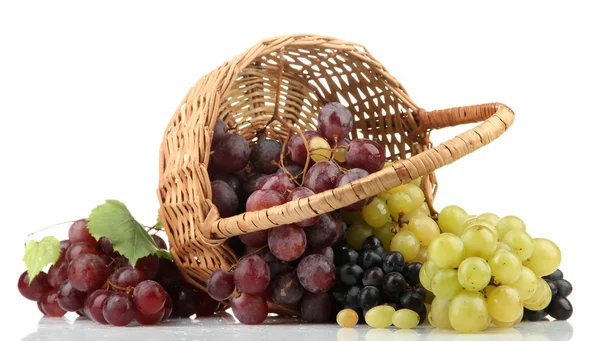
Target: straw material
296 75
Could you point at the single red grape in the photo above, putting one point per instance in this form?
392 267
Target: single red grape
316 273
78 232
118 309
220 285
35 290
335 121
287 242
224 197
250 309
365 154
264 198
87 272
149 297
265 156
277 182
321 176
252 275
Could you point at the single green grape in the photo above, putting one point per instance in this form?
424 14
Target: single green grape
509 223
520 243
541 298
480 222
339 154
505 304
474 273
468 312
357 233
506 267
526 284
451 219
320 150
424 228
439 315
491 217
405 319
479 241
380 316
385 234
405 199
445 284
377 213
447 251
545 258
406 243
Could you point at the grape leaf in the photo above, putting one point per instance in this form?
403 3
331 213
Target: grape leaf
114 221
39 254
159 225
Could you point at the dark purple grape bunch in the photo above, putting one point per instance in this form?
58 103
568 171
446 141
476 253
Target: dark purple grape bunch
374 277
95 281
291 265
560 308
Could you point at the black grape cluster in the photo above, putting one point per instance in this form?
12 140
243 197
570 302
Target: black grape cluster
374 277
560 307
291 265
95 281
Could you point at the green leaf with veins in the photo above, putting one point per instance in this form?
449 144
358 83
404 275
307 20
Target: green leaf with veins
114 221
39 254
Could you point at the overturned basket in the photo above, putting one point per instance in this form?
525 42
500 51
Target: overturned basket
315 70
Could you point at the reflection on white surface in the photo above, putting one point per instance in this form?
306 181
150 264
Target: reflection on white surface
225 328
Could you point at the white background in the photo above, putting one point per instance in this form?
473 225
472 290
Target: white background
87 90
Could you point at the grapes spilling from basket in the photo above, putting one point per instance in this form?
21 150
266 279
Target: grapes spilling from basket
384 260
93 280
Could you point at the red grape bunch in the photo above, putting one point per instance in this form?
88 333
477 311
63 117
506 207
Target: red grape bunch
95 281
292 265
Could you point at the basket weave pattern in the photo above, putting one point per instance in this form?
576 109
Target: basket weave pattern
245 91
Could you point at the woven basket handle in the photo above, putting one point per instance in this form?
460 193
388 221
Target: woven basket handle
496 118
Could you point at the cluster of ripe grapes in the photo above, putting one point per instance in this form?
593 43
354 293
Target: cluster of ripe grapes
372 278
291 264
396 264
95 281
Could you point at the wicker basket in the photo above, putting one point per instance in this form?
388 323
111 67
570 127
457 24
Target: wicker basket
316 70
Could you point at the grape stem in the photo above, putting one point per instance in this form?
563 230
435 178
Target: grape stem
45 228
127 290
281 166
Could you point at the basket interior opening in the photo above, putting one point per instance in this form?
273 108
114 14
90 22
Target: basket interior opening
311 78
